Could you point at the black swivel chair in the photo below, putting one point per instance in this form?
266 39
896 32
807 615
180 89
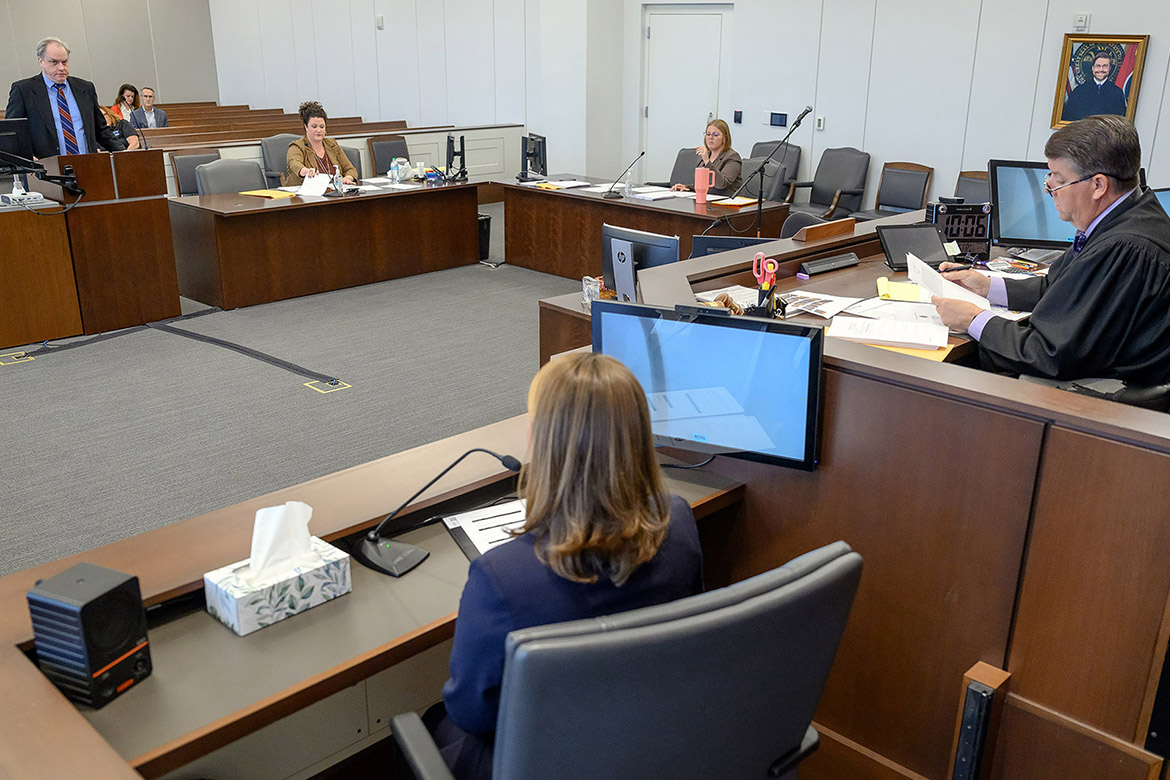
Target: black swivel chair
723 684
683 171
383 149
972 187
355 157
226 176
837 186
274 153
789 156
902 188
183 166
798 219
776 179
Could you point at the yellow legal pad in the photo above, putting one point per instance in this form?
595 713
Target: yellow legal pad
937 355
732 203
897 291
274 194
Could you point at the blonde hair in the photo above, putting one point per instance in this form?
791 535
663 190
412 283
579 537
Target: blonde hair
595 498
722 127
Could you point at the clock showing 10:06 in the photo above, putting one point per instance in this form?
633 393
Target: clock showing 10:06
967 224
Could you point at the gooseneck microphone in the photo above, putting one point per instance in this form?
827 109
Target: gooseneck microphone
760 172
610 192
397 558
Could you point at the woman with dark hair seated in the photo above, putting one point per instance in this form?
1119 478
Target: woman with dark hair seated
315 153
126 103
601 536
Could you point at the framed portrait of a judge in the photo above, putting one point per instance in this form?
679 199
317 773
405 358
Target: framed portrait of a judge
1100 74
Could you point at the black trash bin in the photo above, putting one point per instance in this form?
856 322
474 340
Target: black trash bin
485 236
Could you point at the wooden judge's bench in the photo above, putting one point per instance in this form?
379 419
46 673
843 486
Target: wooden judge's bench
103 263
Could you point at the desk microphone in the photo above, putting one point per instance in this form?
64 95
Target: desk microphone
610 192
397 558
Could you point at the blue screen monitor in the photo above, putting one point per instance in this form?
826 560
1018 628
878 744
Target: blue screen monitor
739 386
625 251
1022 213
1163 196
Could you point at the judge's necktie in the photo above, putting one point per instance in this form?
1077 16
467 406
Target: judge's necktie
1079 241
66 121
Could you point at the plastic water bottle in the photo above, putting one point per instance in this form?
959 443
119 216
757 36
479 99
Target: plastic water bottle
395 175
629 184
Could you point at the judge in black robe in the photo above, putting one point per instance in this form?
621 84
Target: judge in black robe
1092 98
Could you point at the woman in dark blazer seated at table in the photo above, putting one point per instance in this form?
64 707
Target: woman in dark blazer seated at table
602 536
716 153
315 153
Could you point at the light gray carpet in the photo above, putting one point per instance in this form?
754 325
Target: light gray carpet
112 439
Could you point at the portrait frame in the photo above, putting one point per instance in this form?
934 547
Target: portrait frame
1127 55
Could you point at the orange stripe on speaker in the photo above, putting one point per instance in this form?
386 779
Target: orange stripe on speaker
118 660
125 685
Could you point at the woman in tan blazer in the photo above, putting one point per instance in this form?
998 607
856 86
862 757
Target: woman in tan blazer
315 153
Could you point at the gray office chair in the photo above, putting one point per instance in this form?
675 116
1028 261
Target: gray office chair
902 188
973 187
798 219
789 156
355 157
683 171
837 186
222 176
274 152
776 179
383 149
183 166
723 684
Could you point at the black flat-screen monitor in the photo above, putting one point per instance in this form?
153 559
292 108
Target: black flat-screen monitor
701 246
740 386
1022 213
533 158
453 153
1163 196
15 142
626 251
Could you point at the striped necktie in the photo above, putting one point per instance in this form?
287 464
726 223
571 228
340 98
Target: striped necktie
66 121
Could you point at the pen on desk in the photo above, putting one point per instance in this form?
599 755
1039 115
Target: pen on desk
956 267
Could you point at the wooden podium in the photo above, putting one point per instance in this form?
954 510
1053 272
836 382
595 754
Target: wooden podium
119 236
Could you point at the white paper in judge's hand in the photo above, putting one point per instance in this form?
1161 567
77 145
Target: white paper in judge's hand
280 541
932 283
314 185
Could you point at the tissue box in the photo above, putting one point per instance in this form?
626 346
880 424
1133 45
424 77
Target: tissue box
244 607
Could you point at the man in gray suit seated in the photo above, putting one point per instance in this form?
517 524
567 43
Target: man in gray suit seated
148 115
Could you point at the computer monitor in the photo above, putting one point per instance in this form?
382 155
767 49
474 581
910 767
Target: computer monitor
452 172
533 158
626 251
15 145
746 387
1163 196
701 246
1022 213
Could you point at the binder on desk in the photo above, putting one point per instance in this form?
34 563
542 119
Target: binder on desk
480 530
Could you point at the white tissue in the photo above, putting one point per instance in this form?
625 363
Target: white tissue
280 542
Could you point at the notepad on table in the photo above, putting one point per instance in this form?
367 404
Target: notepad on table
898 291
733 203
480 530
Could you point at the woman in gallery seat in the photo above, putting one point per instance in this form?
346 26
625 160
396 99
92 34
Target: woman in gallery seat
716 153
602 536
315 153
126 103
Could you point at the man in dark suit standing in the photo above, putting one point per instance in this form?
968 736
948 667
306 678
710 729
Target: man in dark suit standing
62 111
148 115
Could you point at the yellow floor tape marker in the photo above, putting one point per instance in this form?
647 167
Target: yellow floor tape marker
325 387
12 358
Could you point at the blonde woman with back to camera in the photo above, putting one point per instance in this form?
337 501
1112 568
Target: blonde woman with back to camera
602 536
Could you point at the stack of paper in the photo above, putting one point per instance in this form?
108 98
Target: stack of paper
915 335
744 296
817 304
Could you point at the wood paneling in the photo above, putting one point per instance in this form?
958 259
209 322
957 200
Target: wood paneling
1088 636
38 295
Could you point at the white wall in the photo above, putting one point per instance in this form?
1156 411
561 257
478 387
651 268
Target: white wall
165 44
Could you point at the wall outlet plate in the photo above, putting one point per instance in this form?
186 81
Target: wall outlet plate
820 123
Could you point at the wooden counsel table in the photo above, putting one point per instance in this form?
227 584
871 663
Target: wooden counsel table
1000 521
559 231
241 250
210 687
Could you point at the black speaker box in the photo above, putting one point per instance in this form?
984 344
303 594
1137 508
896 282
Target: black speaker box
90 630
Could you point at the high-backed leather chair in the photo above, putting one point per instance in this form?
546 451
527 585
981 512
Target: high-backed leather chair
683 171
776 179
902 188
723 684
789 156
798 219
183 167
972 187
837 186
274 153
229 176
383 149
355 157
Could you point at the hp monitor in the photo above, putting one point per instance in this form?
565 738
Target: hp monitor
1023 214
740 386
626 251
533 158
701 246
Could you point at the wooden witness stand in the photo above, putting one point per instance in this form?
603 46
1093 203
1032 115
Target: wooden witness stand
119 239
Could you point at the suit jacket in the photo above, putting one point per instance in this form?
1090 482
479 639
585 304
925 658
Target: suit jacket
29 98
301 155
138 118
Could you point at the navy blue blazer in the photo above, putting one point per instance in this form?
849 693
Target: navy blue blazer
29 98
509 588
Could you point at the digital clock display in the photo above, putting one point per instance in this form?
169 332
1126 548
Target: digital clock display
959 227
967 224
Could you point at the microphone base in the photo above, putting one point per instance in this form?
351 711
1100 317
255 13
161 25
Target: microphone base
612 195
389 557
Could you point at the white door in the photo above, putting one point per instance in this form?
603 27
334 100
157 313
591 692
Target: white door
683 53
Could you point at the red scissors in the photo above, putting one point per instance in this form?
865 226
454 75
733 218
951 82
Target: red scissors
764 269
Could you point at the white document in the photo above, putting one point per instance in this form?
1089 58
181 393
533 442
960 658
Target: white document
533 183
572 183
817 304
683 194
744 296
402 186
314 185
899 311
932 282
488 527
381 180
368 188
654 195
294 188
916 335
650 188
602 188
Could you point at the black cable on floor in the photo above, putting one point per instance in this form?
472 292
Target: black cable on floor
47 348
248 351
